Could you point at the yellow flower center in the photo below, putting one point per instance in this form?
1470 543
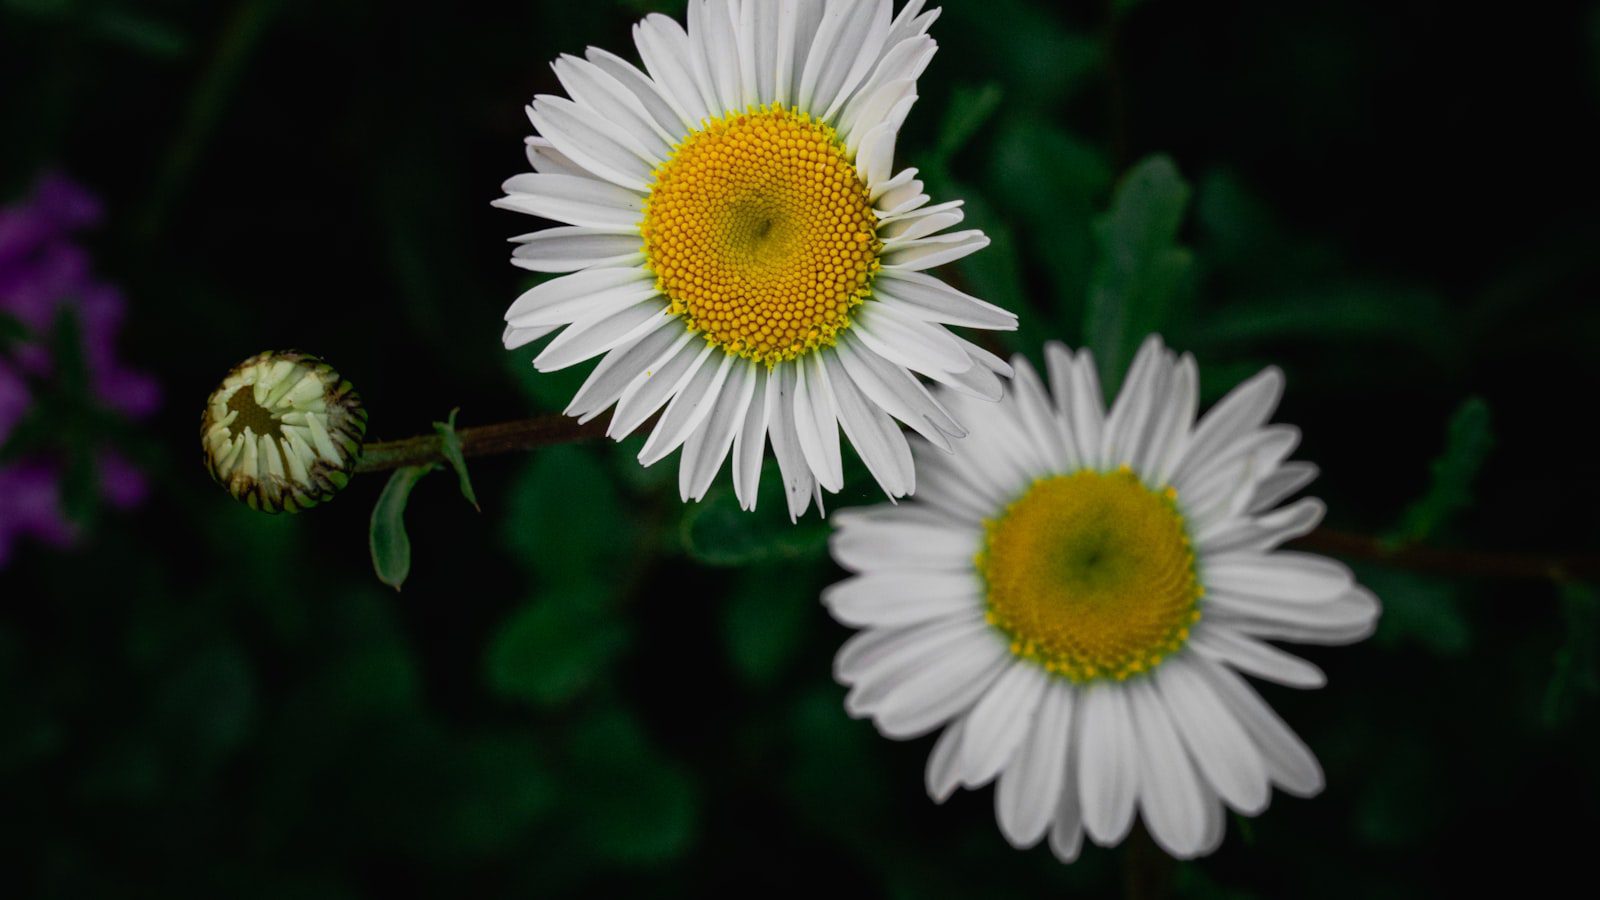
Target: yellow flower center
760 233
1091 575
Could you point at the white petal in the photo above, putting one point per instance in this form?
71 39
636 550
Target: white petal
669 117
599 146
1030 787
1282 575
935 250
568 249
692 404
590 337
749 445
1130 414
943 774
912 343
1290 764
797 478
657 382
1223 645
1244 409
580 295
595 89
578 201
547 160
1287 479
1342 620
862 545
665 49
708 445
847 45
515 337
817 423
940 692
621 366
900 599
712 32
936 301
1222 751
874 435
1169 790
1108 763
898 393
999 721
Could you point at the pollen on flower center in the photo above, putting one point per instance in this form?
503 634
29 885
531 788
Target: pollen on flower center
1091 575
761 235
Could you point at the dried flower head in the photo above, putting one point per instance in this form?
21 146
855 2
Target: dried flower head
283 431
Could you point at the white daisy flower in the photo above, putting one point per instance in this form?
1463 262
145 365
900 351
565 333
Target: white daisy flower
739 247
1072 596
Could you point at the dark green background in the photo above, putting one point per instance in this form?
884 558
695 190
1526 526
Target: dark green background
588 689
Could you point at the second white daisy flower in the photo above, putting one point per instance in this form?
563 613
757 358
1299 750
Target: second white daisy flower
741 250
1073 594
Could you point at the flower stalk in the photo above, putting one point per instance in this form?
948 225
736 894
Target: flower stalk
544 431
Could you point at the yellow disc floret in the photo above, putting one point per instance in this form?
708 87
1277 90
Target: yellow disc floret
1091 575
761 235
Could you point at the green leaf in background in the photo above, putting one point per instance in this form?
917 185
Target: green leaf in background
1024 46
552 649
1050 182
1336 312
717 532
625 801
1576 680
767 620
969 109
1140 270
450 445
1466 445
564 521
1418 610
499 787
207 704
391 547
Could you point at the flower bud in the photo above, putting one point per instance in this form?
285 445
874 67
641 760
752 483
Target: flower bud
283 431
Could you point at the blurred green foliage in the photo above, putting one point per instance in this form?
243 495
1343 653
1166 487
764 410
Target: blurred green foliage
594 689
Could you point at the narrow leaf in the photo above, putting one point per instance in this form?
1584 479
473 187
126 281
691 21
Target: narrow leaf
391 548
1140 270
450 445
1467 444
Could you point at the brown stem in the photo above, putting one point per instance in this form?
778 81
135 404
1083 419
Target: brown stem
482 440
1441 561
544 431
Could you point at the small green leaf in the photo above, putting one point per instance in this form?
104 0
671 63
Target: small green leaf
1576 679
717 532
550 650
1466 446
450 445
391 548
1140 270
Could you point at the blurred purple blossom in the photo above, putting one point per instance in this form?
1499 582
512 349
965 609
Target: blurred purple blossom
44 274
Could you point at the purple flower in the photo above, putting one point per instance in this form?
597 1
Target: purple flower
45 275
